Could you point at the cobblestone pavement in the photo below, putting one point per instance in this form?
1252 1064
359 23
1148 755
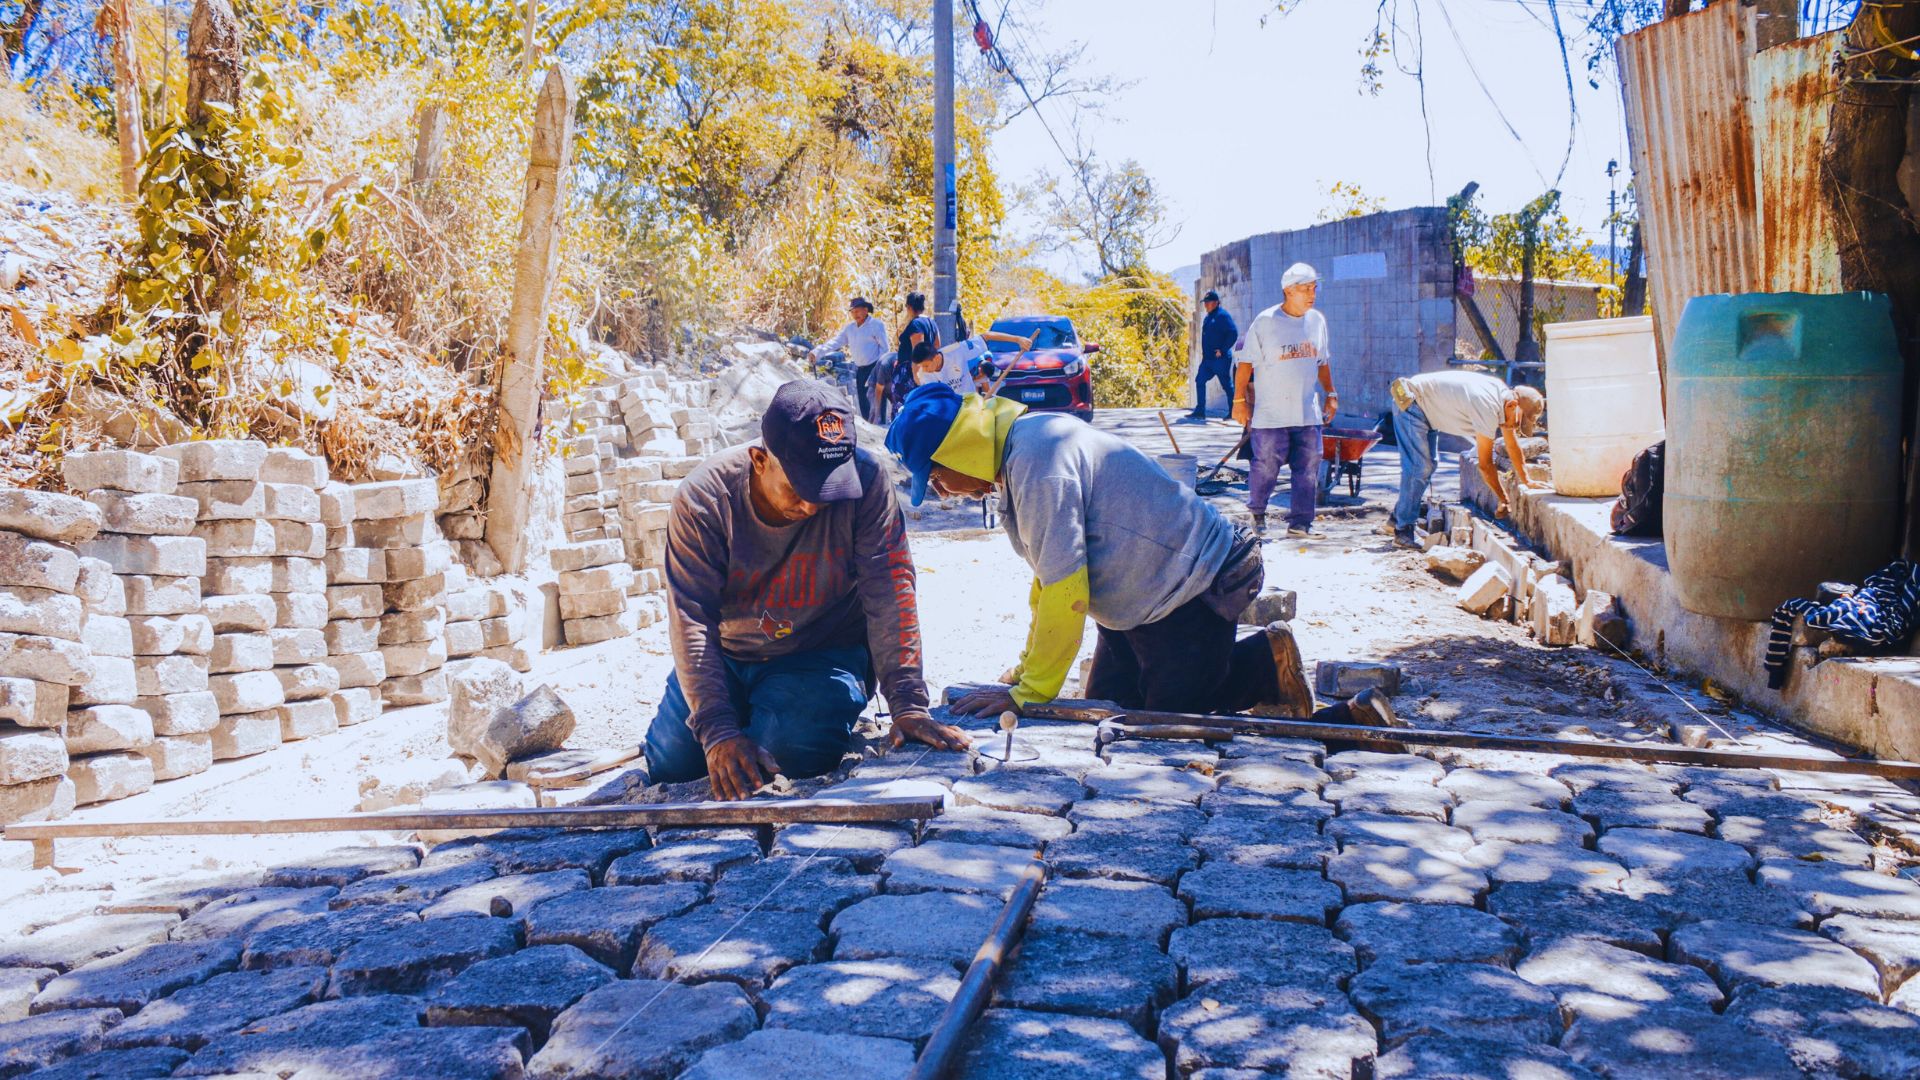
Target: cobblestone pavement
1280 908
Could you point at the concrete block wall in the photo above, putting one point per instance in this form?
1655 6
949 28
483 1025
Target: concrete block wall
1386 288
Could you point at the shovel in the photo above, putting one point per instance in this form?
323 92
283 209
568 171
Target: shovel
1221 464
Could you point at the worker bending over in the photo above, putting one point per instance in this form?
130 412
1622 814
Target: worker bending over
789 588
1110 535
1465 404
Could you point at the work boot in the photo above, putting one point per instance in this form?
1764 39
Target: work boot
1405 537
1292 694
1260 525
1296 533
1371 708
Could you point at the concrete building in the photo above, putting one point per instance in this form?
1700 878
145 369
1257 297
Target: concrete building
1386 288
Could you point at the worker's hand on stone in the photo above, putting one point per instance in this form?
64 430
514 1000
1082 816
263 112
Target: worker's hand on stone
738 767
921 727
991 702
1500 512
1533 484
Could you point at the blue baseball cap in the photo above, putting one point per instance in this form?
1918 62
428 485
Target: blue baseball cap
919 428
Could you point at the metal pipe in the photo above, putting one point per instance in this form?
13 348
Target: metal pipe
949 1036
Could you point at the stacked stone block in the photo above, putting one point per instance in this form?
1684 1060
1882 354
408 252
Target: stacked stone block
395 519
354 603
239 526
486 620
596 585
591 508
44 659
294 480
169 637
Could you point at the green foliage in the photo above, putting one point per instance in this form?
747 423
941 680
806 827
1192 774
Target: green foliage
1140 322
1347 200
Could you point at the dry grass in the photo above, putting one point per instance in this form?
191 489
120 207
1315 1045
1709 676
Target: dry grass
48 145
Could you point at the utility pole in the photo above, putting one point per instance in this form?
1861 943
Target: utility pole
1613 228
946 192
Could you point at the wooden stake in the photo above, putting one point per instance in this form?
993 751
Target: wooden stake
1168 428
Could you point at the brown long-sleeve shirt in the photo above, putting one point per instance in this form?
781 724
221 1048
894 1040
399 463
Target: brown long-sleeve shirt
740 589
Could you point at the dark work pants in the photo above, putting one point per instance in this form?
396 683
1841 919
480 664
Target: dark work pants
1200 381
863 389
1188 662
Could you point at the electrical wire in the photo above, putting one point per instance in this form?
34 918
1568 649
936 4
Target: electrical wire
1447 16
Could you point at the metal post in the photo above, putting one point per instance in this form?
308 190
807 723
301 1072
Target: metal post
946 192
1613 229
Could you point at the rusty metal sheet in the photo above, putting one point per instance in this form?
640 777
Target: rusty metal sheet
1791 90
1684 83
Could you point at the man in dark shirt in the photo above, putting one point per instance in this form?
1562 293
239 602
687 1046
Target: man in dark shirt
1217 337
919 330
790 590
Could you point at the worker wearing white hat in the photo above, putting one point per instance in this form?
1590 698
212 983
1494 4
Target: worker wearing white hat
1283 392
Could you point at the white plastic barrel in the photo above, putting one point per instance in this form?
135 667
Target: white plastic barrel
1182 467
1603 402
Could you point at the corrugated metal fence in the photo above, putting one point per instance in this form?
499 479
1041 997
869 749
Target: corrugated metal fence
1791 88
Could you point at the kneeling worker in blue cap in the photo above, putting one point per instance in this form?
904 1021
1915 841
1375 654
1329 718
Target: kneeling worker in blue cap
1110 535
790 593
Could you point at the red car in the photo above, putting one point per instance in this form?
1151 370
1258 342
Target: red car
1053 377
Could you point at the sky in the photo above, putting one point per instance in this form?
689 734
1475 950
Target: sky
1244 126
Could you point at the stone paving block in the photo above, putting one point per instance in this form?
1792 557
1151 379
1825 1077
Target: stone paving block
343 866
1583 776
978 825
1411 798
608 923
1431 1057
146 1061
250 910
86 939
1397 831
1518 824
804 1055
1560 864
1148 783
1663 853
1103 851
417 886
320 939
1892 946
1272 777
409 958
128 980
480 1053
1644 808
1265 749
1544 912
1832 1032
1070 972
1467 1000
687 860
18 986
242 614
1676 1044
1166 753
509 897
595 1039
1283 844
1372 765
1019 1044
944 926
1021 790
1715 896
45 659
119 470
245 734
1427 934
527 989
216 459
533 851
865 846
1781 838
754 950
33 704
819 888
1223 890
40 1041
1594 979
281 1045
1840 890
1740 955
1261 951
1370 872
37 564
181 894
1298 1032
1157 822
1239 802
193 1017
890 998
945 866
1509 787
1132 909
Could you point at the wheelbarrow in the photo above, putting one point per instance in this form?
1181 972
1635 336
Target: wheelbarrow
1341 452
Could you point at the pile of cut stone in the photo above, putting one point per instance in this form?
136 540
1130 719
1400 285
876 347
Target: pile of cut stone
463 519
169 638
1499 580
487 620
394 518
591 508
596 586
44 660
354 604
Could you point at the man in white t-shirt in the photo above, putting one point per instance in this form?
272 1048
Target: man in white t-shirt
865 340
960 360
1283 392
1465 404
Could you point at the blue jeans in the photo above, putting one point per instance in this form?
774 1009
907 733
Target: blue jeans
1419 446
1299 448
1208 374
799 708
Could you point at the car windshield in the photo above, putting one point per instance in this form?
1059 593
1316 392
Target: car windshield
1047 333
